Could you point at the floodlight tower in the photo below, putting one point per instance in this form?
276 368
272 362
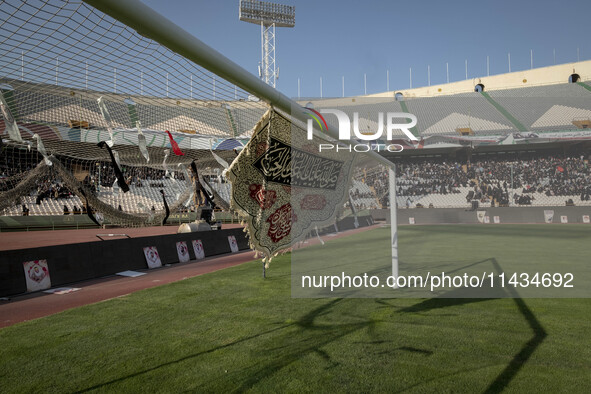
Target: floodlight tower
268 15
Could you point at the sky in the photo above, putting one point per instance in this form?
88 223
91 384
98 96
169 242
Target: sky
334 39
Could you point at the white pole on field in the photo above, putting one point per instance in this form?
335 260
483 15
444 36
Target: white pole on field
393 222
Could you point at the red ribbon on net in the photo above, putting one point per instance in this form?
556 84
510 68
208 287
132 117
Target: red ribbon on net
175 147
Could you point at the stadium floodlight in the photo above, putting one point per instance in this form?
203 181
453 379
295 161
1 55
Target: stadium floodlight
268 15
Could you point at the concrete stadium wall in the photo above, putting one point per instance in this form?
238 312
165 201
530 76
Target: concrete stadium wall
78 262
348 223
10 223
465 216
534 77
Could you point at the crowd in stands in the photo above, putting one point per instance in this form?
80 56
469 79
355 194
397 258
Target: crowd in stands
14 165
51 188
507 179
496 179
357 194
17 162
75 210
558 175
136 176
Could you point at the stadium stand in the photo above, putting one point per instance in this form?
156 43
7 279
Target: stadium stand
56 105
537 180
446 115
498 112
367 110
546 108
363 195
72 116
529 179
50 194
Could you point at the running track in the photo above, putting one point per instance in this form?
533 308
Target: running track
36 305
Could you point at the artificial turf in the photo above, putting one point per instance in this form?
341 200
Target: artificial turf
234 331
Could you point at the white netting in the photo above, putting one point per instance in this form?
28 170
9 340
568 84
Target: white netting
75 76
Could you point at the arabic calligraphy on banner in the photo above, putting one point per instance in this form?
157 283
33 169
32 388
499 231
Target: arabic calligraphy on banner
283 188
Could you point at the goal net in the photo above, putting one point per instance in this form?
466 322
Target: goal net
72 78
97 116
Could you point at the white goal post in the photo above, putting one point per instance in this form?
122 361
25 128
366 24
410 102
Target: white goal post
150 24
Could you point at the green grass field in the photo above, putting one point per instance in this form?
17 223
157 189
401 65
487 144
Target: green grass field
234 331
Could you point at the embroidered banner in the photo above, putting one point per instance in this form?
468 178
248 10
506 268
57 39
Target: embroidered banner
283 187
281 163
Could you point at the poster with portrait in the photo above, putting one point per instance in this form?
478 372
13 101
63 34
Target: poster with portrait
548 215
152 257
198 249
233 243
480 216
183 252
37 275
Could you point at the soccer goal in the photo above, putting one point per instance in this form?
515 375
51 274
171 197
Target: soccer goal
73 77
110 105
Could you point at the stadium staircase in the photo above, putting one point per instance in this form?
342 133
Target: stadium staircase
505 113
586 85
404 107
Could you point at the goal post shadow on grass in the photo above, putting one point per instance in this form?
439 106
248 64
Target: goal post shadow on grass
539 334
523 355
318 334
431 265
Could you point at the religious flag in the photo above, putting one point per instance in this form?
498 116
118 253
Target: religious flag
283 187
